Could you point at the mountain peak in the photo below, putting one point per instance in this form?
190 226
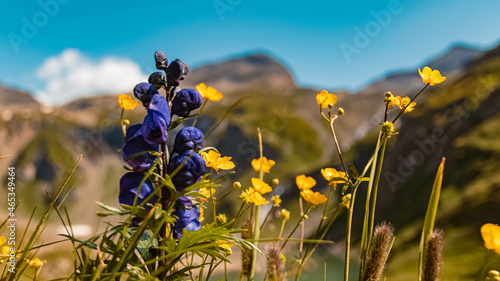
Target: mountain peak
455 59
243 73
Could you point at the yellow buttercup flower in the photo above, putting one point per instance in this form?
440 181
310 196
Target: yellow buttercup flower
330 173
346 200
260 186
324 98
431 77
313 198
221 219
276 200
205 192
209 93
126 102
491 237
304 182
252 196
284 214
402 102
213 160
225 246
266 164
36 263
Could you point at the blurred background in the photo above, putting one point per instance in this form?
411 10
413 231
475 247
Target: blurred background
63 63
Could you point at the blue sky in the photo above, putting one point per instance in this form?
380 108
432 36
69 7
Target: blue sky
309 38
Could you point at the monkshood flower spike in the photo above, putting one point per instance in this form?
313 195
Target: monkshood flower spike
189 138
145 92
177 71
193 168
136 150
185 101
129 188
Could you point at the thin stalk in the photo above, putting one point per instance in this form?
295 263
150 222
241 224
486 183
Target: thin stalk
338 147
296 226
375 188
301 227
348 234
267 217
318 229
403 110
201 110
256 234
121 123
366 234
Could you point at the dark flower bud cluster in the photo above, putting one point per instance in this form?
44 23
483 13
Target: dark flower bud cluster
143 141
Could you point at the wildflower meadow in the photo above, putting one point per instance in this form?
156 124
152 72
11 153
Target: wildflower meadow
171 221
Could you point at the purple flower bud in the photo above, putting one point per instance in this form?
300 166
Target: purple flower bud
129 186
194 167
189 138
157 79
188 218
134 144
177 71
144 92
161 60
155 127
185 101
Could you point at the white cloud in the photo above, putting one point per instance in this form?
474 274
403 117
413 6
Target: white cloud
71 75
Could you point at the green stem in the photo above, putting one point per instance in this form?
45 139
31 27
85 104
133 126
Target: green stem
296 226
201 110
338 147
348 233
121 123
256 234
365 237
267 217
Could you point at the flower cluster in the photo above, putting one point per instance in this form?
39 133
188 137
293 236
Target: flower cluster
260 187
141 149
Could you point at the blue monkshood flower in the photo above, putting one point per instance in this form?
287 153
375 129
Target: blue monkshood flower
194 167
185 101
189 138
157 79
155 125
135 144
161 60
188 218
177 71
129 185
159 103
144 92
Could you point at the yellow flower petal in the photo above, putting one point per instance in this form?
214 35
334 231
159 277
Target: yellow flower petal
260 186
266 164
213 160
126 102
284 214
324 99
2 240
251 196
330 173
431 77
304 182
276 200
209 93
313 198
491 237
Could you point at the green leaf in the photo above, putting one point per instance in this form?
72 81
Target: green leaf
430 216
353 170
